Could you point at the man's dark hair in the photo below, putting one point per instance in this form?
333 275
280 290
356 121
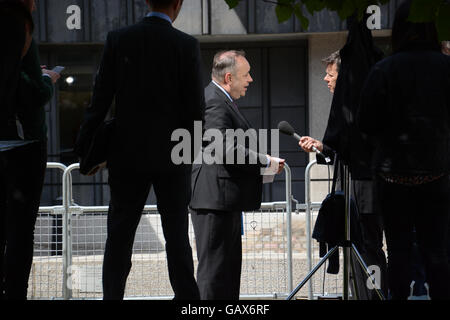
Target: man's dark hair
407 34
160 3
333 58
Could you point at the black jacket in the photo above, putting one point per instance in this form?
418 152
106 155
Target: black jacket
227 187
13 36
154 73
405 109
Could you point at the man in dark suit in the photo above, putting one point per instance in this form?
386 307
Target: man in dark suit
154 72
223 189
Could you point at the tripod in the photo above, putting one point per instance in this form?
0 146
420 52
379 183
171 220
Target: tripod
349 252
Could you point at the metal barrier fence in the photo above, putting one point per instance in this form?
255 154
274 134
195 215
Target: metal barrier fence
267 267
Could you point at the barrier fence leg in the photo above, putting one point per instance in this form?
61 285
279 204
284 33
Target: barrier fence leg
289 225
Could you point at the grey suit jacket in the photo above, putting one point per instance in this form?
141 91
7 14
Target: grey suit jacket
226 186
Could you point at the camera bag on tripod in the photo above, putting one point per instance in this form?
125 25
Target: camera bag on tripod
329 229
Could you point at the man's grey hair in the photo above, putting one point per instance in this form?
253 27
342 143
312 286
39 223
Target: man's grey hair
446 44
224 62
335 57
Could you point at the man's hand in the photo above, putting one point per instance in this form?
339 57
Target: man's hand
53 75
276 164
306 143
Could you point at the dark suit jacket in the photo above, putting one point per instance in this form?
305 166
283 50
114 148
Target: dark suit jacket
154 73
228 187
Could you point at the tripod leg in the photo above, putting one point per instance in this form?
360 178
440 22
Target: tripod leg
366 270
311 273
355 290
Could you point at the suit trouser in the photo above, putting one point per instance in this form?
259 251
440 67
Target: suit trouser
22 175
219 252
424 208
129 192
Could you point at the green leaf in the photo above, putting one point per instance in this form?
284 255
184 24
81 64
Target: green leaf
232 3
314 5
284 11
347 9
424 10
443 22
299 14
333 5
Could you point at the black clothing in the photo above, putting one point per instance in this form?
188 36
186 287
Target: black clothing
129 191
23 180
29 165
343 137
405 111
153 72
21 176
430 219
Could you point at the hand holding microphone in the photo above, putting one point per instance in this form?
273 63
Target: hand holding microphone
307 143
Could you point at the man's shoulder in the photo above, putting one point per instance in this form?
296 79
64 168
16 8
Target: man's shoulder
213 95
139 29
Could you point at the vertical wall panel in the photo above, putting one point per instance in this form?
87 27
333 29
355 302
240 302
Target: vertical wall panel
140 10
321 21
113 13
57 16
267 21
190 19
287 78
226 21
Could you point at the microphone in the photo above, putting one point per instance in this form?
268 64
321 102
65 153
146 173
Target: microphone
287 129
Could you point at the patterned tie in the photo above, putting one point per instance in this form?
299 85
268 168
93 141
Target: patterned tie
240 114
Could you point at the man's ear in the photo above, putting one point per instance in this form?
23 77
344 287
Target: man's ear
227 77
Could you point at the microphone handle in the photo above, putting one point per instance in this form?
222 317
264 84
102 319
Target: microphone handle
327 159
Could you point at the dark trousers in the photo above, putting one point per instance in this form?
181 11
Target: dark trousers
424 208
371 224
129 192
22 173
219 252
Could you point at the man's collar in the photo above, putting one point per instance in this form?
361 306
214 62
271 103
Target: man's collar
223 90
160 15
